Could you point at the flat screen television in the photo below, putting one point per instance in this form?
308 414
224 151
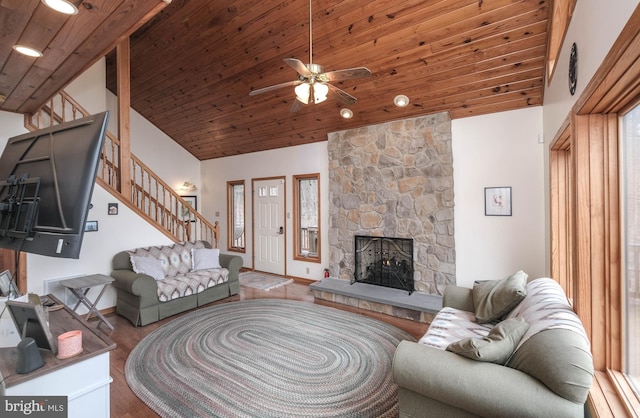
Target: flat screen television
46 182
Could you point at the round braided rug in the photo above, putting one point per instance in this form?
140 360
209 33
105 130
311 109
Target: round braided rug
267 358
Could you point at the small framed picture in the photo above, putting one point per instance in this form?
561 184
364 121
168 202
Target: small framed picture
186 211
112 208
497 201
91 226
5 283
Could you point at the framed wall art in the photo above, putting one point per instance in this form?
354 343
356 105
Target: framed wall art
91 226
497 201
186 212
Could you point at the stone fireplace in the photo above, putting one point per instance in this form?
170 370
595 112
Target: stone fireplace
394 180
384 261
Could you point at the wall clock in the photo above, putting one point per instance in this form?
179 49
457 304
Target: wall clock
573 69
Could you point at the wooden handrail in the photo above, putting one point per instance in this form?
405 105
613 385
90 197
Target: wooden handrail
149 196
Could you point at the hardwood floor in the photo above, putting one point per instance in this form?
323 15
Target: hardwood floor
125 403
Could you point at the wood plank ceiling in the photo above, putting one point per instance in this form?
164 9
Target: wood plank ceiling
70 44
194 64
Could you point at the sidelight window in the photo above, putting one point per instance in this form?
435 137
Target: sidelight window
236 221
306 220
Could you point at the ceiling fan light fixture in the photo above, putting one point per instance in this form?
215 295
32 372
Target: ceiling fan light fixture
28 51
62 6
401 100
302 92
346 113
320 91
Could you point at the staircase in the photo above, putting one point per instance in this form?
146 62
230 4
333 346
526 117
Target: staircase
144 192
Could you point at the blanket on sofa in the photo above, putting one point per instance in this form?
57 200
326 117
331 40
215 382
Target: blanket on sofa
545 307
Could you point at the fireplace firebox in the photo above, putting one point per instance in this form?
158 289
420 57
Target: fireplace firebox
384 261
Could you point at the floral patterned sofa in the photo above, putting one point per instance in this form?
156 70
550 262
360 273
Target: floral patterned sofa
153 283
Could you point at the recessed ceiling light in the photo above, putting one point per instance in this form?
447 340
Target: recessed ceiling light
346 113
401 100
28 51
62 6
2 98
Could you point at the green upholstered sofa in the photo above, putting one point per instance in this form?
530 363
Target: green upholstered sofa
548 374
171 283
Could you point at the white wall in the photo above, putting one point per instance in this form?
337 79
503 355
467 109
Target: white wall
163 155
11 124
498 150
303 159
115 233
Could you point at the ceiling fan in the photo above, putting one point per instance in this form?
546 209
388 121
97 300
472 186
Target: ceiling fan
313 84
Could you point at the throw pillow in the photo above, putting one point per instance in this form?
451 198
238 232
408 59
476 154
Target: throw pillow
205 258
493 299
147 265
497 346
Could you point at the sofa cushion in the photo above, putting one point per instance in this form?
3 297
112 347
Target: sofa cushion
546 307
497 346
147 265
555 349
560 359
175 258
205 258
190 283
493 299
451 325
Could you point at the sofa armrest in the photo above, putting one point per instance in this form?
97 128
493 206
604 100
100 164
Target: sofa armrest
135 283
458 297
482 388
233 263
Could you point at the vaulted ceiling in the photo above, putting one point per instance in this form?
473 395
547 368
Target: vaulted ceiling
194 64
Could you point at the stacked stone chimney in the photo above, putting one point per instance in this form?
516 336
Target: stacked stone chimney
395 180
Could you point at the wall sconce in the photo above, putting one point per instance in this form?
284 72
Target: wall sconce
187 186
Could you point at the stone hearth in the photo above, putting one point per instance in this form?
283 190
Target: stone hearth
418 307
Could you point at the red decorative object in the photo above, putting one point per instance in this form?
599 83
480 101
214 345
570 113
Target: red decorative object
326 273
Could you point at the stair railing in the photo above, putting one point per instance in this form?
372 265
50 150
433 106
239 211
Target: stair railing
149 196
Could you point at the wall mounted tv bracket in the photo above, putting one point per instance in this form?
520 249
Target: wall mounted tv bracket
19 208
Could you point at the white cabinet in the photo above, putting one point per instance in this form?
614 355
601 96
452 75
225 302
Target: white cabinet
86 385
84 379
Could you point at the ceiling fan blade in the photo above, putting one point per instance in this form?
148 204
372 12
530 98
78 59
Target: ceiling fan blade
342 95
274 87
298 65
297 105
349 73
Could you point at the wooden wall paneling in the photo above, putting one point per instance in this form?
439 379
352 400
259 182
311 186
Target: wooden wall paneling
582 233
613 263
597 233
123 52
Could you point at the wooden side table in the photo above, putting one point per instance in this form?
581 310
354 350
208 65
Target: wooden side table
80 286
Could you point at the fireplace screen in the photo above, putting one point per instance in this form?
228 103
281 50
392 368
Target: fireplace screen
384 261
